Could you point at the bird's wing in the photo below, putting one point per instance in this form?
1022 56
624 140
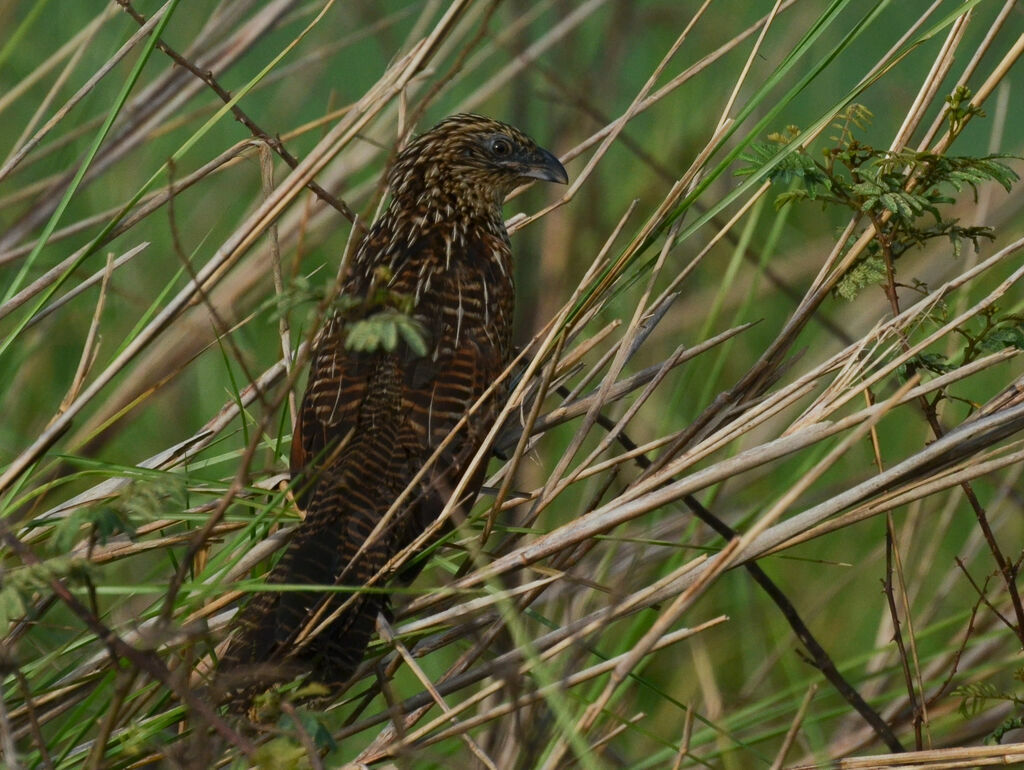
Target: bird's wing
338 383
469 348
330 413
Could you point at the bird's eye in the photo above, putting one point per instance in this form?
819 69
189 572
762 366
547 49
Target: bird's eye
501 147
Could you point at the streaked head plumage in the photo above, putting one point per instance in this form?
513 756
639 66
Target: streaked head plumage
472 156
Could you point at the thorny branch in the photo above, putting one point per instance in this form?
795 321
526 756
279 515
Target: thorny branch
274 142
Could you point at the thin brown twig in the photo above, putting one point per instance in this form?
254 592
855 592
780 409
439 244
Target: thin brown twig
982 594
97 756
890 595
928 409
35 730
273 142
794 728
941 690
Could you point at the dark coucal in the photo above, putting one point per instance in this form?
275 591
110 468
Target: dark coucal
370 420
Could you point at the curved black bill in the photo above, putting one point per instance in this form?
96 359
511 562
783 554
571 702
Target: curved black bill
544 166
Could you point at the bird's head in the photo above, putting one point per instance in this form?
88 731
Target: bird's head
471 159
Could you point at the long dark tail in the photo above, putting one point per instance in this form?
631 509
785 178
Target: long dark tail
281 634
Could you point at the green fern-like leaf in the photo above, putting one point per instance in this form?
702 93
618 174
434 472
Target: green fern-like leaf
144 500
976 696
794 166
381 331
959 109
1011 723
1002 337
365 335
869 271
413 333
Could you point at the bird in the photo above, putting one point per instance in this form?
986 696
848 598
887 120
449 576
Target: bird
371 419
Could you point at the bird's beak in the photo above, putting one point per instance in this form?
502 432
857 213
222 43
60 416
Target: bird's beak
544 166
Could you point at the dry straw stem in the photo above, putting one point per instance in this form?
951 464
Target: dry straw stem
794 728
940 759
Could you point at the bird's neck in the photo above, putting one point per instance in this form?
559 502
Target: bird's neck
445 210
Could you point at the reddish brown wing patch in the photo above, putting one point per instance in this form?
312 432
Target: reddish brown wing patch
335 393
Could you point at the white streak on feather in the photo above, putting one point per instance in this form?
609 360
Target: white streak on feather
460 312
487 305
